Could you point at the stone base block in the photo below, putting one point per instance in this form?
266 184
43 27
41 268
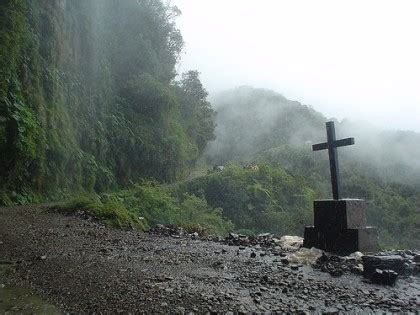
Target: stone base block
342 242
392 262
339 215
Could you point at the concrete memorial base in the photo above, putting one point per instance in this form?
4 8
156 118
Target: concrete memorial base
340 227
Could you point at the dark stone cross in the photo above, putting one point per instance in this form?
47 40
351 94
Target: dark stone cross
332 144
340 225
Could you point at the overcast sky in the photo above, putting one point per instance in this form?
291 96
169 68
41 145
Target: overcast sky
353 59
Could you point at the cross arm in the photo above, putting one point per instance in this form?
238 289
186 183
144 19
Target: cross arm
344 142
320 146
335 144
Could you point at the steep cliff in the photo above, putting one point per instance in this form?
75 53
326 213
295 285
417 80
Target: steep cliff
88 99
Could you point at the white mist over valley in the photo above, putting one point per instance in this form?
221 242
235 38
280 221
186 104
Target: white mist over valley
356 60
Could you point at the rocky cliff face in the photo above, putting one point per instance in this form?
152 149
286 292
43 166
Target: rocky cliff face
71 114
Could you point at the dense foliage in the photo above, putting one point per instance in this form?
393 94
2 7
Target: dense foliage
88 100
263 200
271 199
148 204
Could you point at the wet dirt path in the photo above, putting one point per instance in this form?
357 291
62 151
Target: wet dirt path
80 266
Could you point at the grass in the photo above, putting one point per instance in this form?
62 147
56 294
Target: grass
111 212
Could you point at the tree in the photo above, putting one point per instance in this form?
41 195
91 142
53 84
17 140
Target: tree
196 109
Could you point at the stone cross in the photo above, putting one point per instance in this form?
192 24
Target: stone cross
332 144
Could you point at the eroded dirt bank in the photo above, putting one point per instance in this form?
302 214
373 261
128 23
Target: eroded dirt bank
78 265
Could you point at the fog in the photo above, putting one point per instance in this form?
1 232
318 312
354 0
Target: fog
258 125
354 59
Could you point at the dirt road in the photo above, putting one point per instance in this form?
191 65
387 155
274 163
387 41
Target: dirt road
79 265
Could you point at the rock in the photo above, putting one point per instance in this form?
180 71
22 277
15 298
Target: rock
294 267
290 242
395 309
416 258
356 255
336 266
265 240
217 264
336 272
305 256
43 257
253 255
386 277
322 259
331 311
390 262
168 230
233 236
358 269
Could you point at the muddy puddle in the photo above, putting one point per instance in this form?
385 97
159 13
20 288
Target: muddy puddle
18 300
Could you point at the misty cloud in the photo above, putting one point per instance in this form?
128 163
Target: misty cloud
356 60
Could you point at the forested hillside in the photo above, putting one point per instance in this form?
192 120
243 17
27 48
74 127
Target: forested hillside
88 100
260 127
255 122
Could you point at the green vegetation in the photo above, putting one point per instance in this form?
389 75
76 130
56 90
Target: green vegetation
263 200
111 212
88 101
271 199
148 204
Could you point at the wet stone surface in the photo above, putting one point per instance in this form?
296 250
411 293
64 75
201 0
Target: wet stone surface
80 266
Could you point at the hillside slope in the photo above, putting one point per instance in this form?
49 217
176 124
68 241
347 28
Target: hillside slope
252 121
88 100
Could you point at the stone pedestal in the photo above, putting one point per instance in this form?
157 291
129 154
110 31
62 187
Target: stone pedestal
340 227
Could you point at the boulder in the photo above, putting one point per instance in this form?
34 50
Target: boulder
385 277
390 262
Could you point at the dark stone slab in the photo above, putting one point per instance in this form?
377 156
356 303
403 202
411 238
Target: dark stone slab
385 277
311 237
339 214
391 262
342 242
